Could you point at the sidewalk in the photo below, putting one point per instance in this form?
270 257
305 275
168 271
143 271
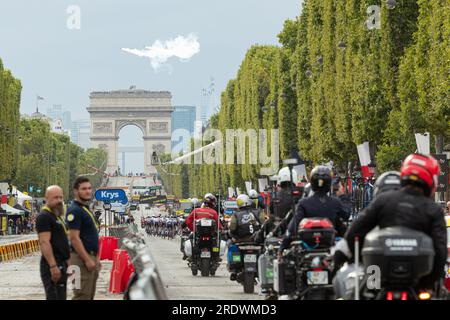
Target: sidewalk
20 280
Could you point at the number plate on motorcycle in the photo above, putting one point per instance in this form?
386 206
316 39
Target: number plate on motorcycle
317 277
206 223
236 258
205 254
215 249
250 258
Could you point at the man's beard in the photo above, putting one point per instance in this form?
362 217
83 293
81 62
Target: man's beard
84 199
58 209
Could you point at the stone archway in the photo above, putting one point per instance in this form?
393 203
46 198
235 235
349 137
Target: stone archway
150 111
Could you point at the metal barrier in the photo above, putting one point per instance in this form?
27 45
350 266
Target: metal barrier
123 231
17 250
148 285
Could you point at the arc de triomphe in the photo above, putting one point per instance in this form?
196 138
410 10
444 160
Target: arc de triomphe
150 111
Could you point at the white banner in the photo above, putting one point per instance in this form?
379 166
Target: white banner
262 184
248 186
364 153
230 192
238 192
301 172
423 143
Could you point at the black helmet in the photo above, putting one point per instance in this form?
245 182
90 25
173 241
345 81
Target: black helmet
320 179
387 181
210 200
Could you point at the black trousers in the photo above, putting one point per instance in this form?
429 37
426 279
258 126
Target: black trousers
54 291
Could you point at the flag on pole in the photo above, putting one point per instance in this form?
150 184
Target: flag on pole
364 158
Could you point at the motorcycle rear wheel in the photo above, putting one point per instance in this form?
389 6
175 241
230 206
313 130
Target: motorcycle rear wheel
204 266
249 282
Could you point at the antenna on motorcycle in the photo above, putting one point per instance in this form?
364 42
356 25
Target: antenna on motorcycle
357 268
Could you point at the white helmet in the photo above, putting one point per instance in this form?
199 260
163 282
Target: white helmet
243 201
253 194
195 203
285 175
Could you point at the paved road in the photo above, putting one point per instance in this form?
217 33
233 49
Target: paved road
178 279
181 284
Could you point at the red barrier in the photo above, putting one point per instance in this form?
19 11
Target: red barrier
107 245
120 265
127 274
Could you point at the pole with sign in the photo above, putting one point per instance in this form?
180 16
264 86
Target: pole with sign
107 207
108 196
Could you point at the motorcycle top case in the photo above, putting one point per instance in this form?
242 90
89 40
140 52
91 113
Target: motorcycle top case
403 255
205 227
316 233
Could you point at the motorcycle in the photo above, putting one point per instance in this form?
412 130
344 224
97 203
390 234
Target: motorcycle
402 257
265 266
244 261
304 272
205 251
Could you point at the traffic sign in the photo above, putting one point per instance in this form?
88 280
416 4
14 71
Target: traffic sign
111 195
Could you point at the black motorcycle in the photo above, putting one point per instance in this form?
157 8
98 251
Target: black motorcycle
400 257
305 271
205 250
244 262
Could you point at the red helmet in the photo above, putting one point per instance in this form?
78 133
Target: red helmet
421 170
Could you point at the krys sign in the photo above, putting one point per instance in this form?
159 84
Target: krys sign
111 195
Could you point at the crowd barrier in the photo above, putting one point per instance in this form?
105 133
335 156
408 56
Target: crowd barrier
18 250
148 284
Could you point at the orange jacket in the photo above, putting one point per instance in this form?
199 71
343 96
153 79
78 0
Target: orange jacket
201 213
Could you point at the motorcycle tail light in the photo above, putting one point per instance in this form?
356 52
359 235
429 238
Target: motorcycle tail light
389 295
424 295
404 295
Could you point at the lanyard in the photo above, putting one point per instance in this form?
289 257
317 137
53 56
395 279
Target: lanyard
63 223
92 217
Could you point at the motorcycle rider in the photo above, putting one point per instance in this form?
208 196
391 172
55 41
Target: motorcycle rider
205 211
388 181
243 224
257 200
319 205
413 207
280 205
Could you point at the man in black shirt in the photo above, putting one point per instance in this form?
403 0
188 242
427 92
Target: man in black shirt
52 233
83 235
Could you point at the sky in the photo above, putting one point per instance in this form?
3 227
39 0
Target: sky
63 59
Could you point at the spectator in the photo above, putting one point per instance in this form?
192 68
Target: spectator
52 233
83 235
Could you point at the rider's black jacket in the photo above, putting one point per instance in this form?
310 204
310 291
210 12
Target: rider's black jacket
408 208
319 205
282 203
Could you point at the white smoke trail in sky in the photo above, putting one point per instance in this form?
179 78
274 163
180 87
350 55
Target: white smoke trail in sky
183 48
